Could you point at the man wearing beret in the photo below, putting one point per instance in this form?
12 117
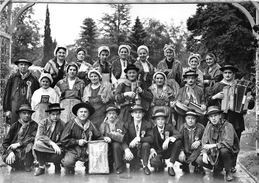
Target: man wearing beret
19 89
19 140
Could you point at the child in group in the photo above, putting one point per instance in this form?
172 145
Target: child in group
167 143
191 132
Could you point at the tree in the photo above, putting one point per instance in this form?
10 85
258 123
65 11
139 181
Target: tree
222 28
116 25
49 45
137 37
157 37
88 36
26 37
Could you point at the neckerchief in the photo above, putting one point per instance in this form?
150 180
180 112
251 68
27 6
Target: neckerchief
23 129
216 129
191 131
190 94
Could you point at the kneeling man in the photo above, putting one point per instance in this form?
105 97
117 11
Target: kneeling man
47 141
19 140
167 143
219 143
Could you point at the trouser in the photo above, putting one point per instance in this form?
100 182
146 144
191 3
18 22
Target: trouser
20 163
225 160
172 152
143 152
70 159
44 157
117 154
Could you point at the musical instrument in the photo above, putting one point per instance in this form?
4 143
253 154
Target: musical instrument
197 108
98 157
235 97
180 108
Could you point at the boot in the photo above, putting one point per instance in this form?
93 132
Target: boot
229 176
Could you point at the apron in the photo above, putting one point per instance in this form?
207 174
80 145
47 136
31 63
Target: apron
99 114
40 108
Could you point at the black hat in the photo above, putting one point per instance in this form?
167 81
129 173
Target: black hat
191 112
112 107
22 60
54 107
131 67
25 107
83 105
190 73
230 67
213 110
137 107
159 113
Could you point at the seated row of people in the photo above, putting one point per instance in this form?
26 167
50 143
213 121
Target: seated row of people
138 142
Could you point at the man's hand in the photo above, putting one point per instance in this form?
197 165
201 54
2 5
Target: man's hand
209 146
172 103
182 156
172 139
56 148
129 94
165 144
203 107
128 154
139 90
14 146
205 158
195 144
8 114
152 153
82 142
134 142
219 95
107 139
10 158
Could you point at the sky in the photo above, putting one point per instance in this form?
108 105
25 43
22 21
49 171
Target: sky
66 19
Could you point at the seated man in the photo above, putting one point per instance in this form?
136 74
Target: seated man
167 143
19 140
139 137
76 135
219 143
114 129
47 141
191 132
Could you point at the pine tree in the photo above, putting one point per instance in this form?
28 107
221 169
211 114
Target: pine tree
49 45
137 37
88 36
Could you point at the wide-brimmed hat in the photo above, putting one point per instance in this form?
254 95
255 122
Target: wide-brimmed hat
46 75
159 113
190 73
25 107
213 110
131 67
191 112
83 105
103 48
54 107
230 67
137 107
94 71
72 64
58 48
23 60
159 72
112 107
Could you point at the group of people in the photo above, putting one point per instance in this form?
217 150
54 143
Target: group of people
143 113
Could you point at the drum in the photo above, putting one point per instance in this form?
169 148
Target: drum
180 108
98 157
67 104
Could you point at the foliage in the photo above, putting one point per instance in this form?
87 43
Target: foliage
26 37
137 37
49 44
228 34
116 26
88 36
157 37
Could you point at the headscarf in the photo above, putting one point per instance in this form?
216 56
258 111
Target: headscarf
58 48
124 46
169 47
103 48
145 48
197 56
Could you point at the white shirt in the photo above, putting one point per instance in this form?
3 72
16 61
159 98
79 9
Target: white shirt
123 67
137 129
145 66
161 131
71 83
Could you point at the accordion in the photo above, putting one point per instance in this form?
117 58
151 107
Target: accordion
235 97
